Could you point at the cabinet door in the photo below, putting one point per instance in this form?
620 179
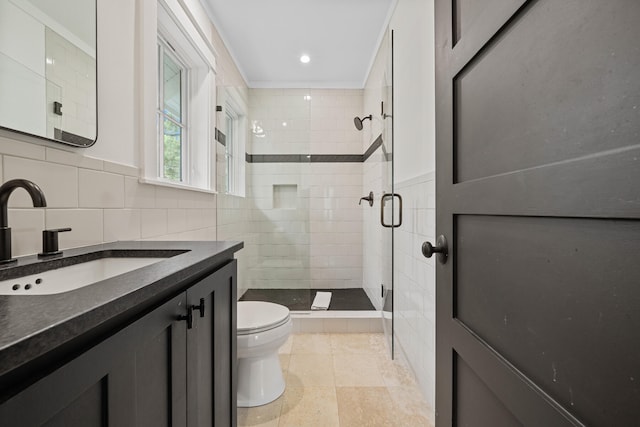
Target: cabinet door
136 377
211 350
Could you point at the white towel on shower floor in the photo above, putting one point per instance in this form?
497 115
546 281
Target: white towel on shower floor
321 301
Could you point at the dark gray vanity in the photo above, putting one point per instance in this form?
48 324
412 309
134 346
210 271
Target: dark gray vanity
152 347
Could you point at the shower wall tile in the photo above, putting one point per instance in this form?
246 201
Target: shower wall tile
317 242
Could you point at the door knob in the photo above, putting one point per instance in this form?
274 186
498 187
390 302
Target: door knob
440 248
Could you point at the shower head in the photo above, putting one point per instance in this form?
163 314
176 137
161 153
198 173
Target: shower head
358 121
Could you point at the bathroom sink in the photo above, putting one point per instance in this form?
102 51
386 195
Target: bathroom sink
68 274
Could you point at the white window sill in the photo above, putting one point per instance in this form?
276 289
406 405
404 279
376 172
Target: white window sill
162 183
242 196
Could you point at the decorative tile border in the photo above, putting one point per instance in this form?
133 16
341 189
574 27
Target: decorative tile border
316 158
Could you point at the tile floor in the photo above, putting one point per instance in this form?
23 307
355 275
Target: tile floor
341 380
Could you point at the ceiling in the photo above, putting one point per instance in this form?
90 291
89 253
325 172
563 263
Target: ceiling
267 37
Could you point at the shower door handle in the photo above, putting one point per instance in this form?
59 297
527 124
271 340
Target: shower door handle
383 199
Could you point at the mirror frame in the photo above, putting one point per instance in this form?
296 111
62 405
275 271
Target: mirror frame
74 140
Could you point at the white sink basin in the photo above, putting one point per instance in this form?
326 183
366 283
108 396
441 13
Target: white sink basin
76 276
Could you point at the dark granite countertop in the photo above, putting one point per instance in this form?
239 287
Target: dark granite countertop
33 326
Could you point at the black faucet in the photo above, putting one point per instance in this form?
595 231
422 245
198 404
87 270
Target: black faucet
37 196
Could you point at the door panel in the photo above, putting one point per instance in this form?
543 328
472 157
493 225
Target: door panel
88 410
508 118
153 377
535 305
537 125
468 13
476 404
211 350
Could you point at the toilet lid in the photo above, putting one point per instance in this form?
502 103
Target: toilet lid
257 316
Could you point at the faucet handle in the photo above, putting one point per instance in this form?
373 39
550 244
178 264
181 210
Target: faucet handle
50 242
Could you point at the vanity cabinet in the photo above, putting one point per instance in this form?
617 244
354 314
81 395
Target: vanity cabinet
154 372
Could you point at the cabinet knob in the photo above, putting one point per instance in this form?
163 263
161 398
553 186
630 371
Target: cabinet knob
188 317
199 307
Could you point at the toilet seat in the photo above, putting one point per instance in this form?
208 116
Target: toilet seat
258 316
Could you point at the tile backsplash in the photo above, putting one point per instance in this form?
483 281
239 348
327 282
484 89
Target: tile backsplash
101 201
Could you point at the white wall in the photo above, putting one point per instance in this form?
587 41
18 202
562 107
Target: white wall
117 90
414 86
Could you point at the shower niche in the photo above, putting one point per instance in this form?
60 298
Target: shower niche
285 196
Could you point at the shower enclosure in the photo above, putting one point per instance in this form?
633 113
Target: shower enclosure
304 178
309 163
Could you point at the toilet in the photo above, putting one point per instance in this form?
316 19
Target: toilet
263 327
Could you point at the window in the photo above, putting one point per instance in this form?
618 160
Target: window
231 122
172 117
235 125
178 99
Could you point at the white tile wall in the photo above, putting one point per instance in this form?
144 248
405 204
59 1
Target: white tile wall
122 224
100 189
414 291
58 182
26 233
99 200
87 226
319 243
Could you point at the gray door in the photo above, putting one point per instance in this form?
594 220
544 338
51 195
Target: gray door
538 196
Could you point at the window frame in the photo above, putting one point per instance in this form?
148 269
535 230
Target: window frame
165 48
172 21
231 122
235 107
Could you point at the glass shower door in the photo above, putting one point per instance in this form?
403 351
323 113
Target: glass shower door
390 215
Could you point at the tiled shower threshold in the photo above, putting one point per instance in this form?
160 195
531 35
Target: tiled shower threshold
337 321
350 310
301 299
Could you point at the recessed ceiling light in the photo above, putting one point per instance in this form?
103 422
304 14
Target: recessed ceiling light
284 124
307 97
305 59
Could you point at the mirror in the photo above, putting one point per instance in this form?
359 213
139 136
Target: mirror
48 69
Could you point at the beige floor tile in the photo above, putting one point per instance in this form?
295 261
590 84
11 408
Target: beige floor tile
284 364
394 373
357 344
263 416
309 407
357 370
312 370
356 385
311 344
410 406
365 406
286 347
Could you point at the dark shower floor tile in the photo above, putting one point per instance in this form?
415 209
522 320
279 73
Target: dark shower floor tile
301 299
